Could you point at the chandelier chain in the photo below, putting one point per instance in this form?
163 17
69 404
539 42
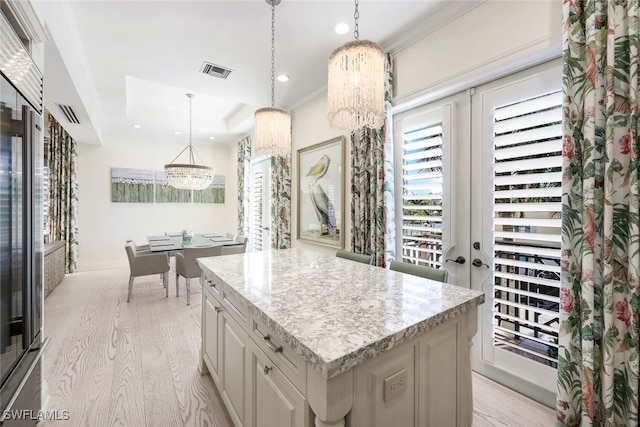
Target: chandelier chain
190 128
356 15
273 53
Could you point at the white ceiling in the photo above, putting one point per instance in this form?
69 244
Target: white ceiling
120 63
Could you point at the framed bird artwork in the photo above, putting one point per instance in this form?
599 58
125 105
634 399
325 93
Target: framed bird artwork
321 193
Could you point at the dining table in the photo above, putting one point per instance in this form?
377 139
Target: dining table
175 242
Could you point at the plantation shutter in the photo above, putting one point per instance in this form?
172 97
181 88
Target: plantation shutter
527 210
256 210
422 180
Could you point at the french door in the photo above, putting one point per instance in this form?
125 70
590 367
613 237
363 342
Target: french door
260 204
480 178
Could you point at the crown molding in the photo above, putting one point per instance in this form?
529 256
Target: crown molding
443 14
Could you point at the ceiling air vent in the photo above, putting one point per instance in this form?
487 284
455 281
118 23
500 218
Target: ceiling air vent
69 114
215 70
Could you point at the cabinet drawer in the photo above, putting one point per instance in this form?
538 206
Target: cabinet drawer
280 353
237 310
213 284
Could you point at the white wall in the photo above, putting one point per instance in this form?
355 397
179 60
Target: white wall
104 225
493 35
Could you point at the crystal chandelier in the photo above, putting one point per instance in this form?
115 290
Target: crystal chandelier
356 78
188 176
273 125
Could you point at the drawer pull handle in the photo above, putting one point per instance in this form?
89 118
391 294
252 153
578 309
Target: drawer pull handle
273 347
217 309
266 370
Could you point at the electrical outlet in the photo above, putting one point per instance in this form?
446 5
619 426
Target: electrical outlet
395 385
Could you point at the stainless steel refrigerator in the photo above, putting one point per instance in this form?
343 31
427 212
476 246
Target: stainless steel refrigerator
21 233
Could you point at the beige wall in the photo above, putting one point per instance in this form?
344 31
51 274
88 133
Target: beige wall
104 225
497 34
310 126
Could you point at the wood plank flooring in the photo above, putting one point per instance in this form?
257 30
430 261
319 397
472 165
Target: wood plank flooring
110 363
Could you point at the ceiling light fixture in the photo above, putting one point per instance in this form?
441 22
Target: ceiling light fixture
273 125
283 78
341 28
355 96
188 176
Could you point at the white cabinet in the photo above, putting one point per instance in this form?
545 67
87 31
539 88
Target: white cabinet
211 316
275 400
423 382
234 375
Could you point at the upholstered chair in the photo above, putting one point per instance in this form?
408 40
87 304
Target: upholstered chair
363 258
146 263
187 267
419 270
138 248
234 249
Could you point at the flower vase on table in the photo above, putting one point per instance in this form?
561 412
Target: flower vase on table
187 236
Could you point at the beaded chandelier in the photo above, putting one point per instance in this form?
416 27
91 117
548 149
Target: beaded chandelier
273 125
356 78
188 176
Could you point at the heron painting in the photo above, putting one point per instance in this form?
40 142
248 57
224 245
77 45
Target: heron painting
320 192
325 210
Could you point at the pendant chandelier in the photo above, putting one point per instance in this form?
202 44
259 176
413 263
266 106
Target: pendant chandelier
188 176
356 78
273 125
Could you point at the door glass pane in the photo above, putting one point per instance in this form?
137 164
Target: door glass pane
527 180
422 183
256 210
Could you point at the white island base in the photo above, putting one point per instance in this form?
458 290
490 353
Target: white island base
422 379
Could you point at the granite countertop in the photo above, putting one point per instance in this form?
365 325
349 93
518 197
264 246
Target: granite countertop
334 312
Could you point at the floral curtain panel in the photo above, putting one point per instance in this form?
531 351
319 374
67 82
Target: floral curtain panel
244 157
372 187
280 202
61 159
598 360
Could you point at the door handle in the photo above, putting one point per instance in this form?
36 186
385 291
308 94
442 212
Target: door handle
458 260
478 263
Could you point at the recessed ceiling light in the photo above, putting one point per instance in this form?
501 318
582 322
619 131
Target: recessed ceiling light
176 132
283 78
341 28
212 137
136 126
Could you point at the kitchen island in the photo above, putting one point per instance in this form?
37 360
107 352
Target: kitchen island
296 338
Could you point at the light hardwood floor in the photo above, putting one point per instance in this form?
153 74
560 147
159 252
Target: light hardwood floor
111 363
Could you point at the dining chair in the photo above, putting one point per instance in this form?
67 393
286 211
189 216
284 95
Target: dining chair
138 248
363 258
145 264
187 267
419 270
